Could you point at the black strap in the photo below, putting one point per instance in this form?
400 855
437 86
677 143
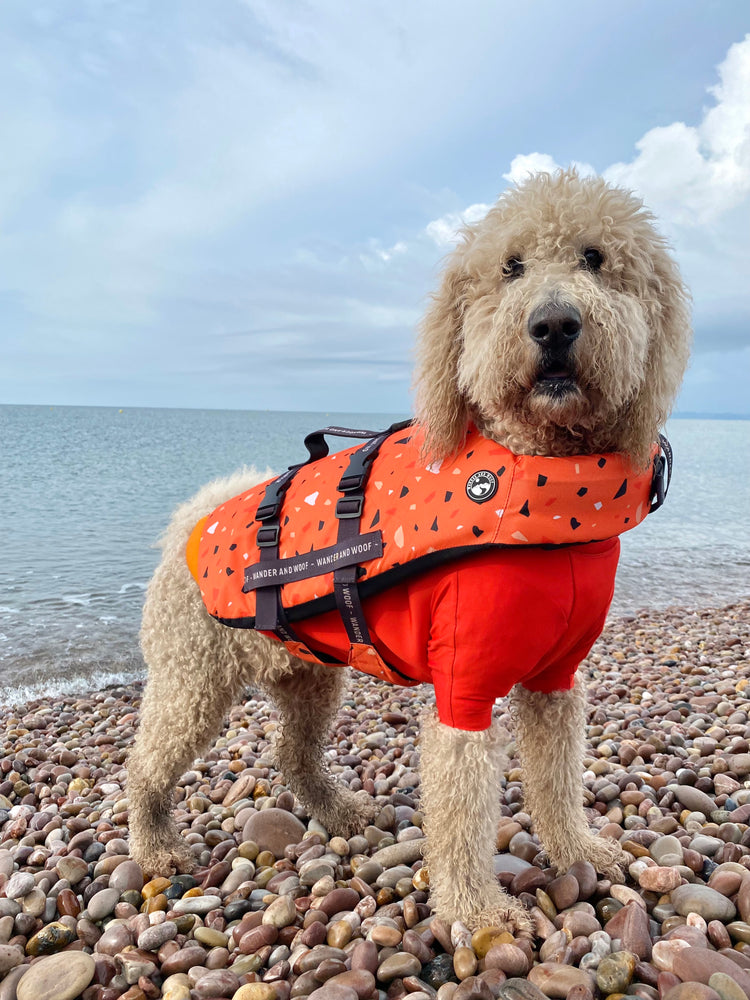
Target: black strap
662 475
317 446
346 591
267 601
270 506
270 615
349 513
269 610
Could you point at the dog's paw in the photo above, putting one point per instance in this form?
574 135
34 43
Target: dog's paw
177 859
509 915
349 813
607 857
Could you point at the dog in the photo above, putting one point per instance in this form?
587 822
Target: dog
561 328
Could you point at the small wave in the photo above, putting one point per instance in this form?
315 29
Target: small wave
62 687
108 619
131 586
5 610
84 600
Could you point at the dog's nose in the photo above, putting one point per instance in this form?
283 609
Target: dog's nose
554 324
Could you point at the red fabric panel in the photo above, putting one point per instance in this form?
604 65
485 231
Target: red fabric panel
486 622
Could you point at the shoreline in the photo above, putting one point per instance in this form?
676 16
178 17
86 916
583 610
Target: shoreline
84 685
667 769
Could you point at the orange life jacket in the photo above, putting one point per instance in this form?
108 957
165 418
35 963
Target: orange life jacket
396 515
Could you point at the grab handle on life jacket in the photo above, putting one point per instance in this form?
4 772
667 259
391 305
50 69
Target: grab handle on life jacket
662 474
317 446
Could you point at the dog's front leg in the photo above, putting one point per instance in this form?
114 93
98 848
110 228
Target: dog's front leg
460 776
550 731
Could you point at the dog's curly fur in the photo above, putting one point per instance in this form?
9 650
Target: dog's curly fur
561 327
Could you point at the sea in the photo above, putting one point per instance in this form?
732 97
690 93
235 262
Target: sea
86 491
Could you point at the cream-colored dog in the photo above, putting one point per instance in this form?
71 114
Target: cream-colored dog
599 374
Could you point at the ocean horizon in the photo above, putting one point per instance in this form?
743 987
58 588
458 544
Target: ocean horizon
87 490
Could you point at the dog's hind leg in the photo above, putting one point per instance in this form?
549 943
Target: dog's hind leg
550 730
308 701
196 666
460 793
179 719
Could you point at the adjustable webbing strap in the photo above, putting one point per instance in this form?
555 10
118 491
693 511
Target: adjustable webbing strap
269 612
349 513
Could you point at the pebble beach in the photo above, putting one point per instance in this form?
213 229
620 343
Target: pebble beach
279 908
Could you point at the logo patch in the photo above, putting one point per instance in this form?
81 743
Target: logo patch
482 486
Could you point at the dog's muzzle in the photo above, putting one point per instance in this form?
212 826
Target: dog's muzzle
555 326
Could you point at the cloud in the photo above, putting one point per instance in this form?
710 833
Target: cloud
191 205
716 382
696 180
692 175
532 163
178 132
446 231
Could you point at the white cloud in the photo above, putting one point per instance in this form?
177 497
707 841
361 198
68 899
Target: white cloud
691 175
387 253
446 231
688 175
180 190
696 180
530 163
524 164
397 248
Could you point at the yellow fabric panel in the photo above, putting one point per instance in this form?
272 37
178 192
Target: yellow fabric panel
191 549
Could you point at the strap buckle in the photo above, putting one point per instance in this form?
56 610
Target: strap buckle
268 511
350 482
349 506
268 535
662 474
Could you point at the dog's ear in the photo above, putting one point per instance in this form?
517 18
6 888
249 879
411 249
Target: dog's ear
440 407
669 348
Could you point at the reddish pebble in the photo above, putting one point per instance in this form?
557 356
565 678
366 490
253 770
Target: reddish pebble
360 980
67 903
329 992
365 956
691 991
183 960
563 891
338 900
508 958
256 938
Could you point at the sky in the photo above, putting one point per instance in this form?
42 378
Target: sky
245 203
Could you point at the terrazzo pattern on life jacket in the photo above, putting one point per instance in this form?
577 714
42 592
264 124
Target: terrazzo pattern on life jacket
421 510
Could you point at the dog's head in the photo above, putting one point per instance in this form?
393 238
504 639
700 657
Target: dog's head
561 325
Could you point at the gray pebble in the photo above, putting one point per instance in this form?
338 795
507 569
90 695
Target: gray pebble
155 936
196 904
103 903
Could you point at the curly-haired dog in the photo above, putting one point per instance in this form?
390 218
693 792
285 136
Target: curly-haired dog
561 328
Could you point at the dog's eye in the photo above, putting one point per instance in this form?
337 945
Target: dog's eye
513 268
592 259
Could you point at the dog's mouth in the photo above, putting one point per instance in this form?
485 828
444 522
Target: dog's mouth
556 380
